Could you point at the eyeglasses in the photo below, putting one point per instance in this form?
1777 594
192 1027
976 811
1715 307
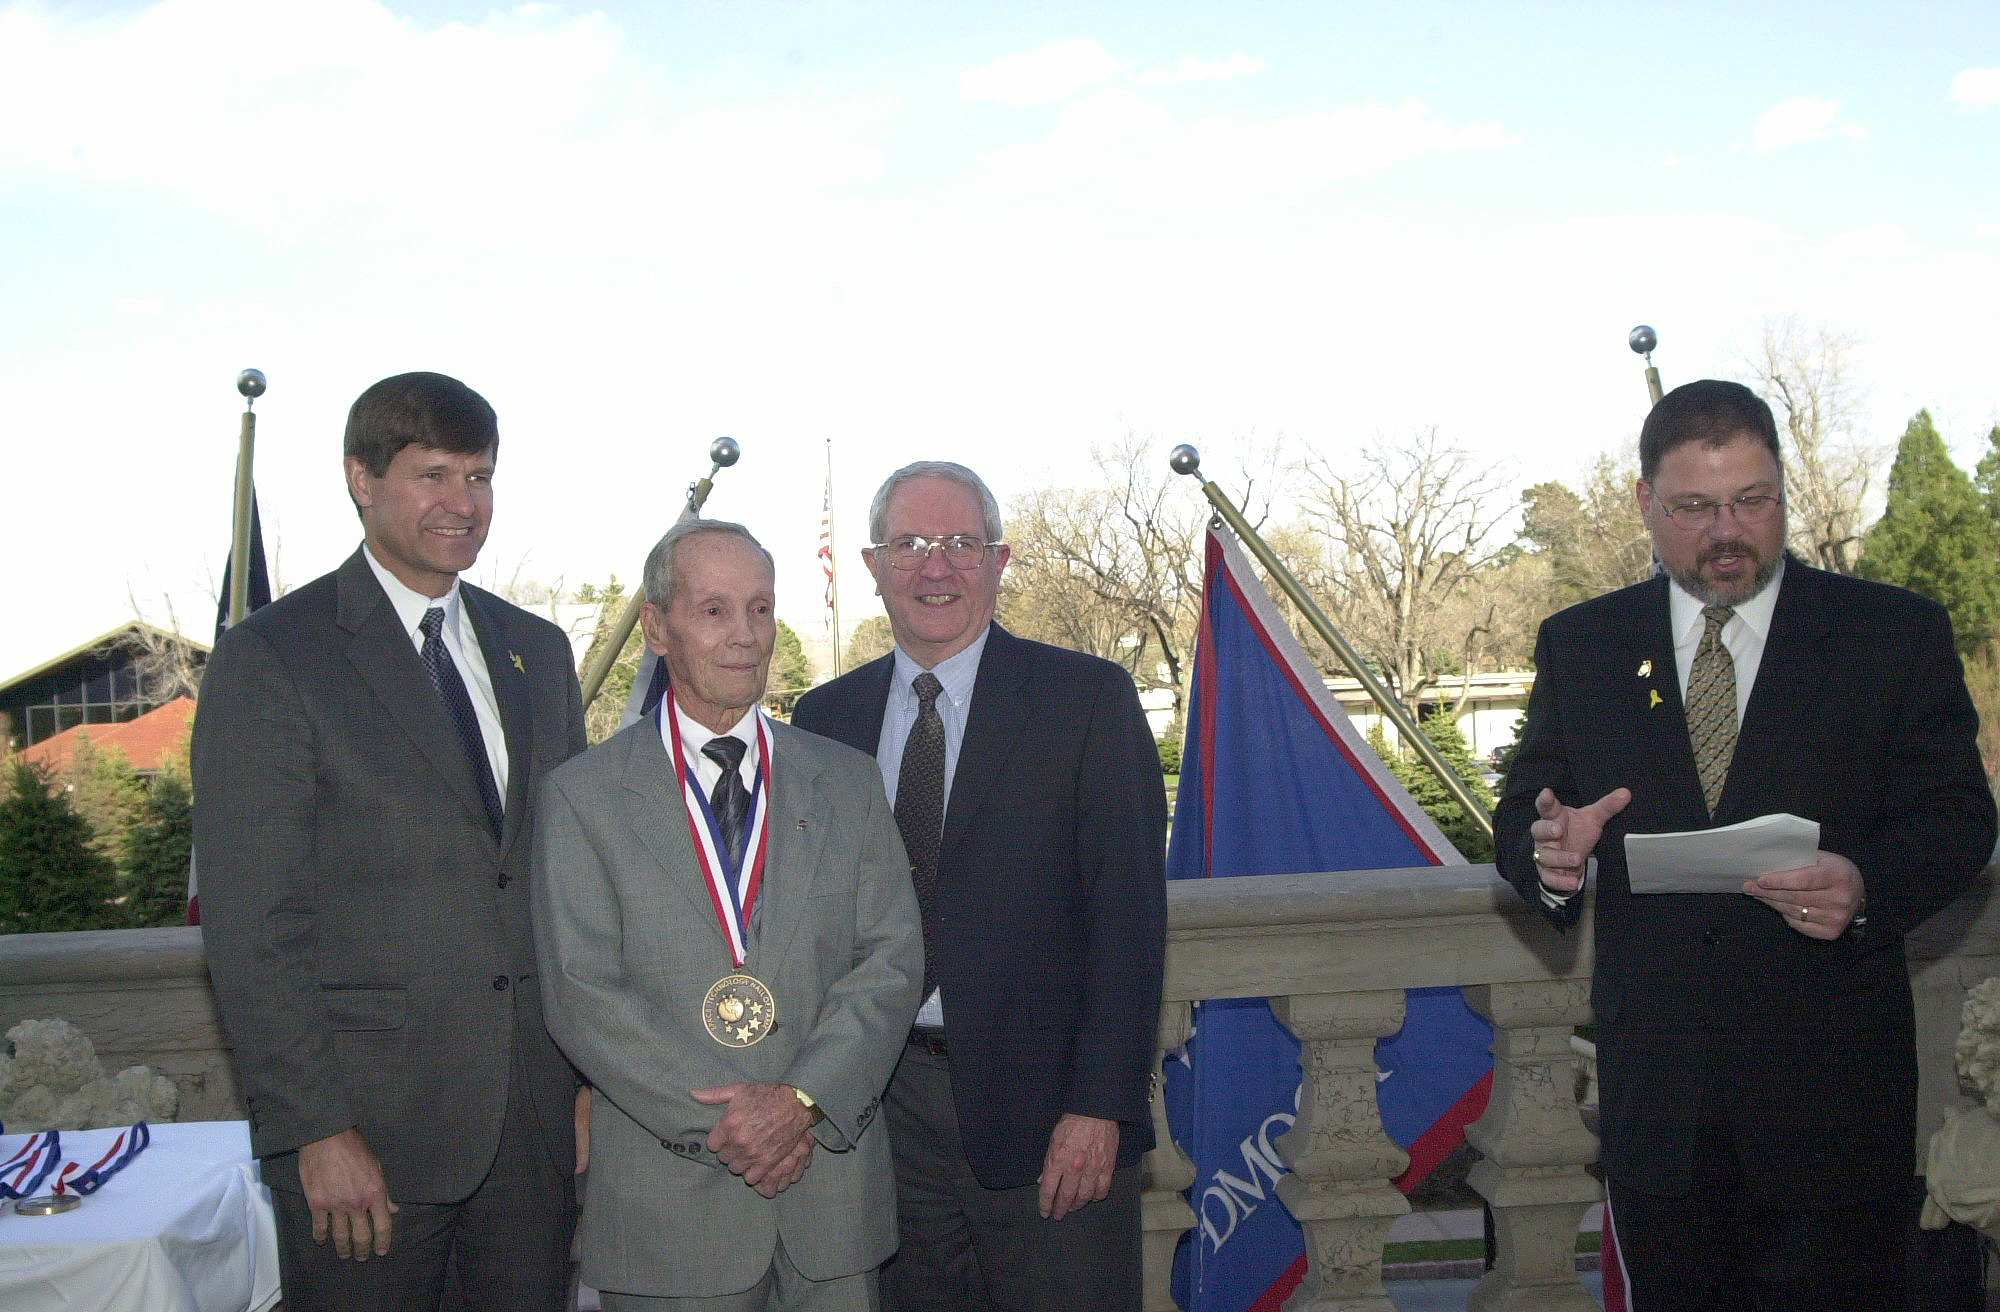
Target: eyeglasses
1691 515
911 551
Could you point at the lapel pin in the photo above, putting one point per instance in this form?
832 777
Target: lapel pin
1645 668
515 657
802 824
1652 698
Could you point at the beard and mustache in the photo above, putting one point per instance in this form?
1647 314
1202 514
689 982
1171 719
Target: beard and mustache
1736 591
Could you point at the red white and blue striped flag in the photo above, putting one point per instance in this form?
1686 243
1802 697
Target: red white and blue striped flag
1276 780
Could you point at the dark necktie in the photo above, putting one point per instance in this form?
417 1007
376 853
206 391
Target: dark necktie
458 704
729 799
920 809
1711 706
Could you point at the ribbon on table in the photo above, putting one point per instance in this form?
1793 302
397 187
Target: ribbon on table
129 1144
23 1173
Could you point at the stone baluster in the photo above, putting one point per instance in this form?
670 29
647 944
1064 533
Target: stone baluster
1165 1174
1340 1159
1535 1148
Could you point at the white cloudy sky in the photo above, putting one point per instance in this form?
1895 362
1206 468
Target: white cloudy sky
1000 233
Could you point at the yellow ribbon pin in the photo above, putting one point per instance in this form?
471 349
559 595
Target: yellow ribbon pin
515 657
1653 698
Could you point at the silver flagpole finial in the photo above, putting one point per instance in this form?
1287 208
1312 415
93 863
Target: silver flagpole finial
1184 459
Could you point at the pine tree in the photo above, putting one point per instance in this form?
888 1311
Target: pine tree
105 792
1430 792
50 879
791 671
1937 537
155 855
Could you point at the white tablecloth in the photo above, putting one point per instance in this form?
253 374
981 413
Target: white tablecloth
186 1227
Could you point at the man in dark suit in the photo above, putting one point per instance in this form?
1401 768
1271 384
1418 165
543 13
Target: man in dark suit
364 759
1755 1050
1027 788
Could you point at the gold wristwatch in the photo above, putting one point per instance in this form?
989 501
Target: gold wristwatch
813 1113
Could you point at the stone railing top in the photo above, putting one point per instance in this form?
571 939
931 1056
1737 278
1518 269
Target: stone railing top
1355 931
100 957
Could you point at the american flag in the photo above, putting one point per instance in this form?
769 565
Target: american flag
826 541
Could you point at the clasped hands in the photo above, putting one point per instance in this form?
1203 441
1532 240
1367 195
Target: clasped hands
763 1134
1816 900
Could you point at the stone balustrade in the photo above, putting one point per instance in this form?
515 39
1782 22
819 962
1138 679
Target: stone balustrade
1333 952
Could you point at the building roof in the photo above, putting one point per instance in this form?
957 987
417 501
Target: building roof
102 640
146 743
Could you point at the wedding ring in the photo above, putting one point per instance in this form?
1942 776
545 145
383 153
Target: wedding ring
1805 913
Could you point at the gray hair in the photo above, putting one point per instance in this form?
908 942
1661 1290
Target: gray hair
660 575
878 510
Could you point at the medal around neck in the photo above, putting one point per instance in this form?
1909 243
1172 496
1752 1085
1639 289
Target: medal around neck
738 1011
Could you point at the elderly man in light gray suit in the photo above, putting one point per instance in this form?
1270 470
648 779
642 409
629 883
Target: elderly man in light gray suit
730 945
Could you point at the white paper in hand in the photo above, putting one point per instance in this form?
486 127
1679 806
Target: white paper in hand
1719 860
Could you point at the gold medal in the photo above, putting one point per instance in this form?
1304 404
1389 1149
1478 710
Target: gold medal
738 1011
47 1205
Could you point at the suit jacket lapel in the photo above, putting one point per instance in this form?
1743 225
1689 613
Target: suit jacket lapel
386 659
1000 711
1789 678
1640 700
858 722
657 813
796 831
511 692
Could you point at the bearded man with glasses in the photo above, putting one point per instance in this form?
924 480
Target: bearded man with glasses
1756 1048
1028 791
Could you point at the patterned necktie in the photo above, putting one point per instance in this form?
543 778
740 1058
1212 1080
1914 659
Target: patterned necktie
920 808
458 704
1711 706
729 798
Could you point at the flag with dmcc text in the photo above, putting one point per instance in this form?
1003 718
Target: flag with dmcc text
1275 779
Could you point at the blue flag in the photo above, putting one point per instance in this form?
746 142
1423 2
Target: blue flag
1276 780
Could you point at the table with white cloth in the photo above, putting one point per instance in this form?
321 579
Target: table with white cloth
186 1225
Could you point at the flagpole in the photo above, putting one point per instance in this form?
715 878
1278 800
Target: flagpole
832 554
251 384
1642 340
724 452
1186 460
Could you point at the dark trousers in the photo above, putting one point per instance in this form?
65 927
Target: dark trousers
966 1248
508 1245
1720 1248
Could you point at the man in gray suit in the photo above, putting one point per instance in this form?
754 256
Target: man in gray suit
726 925
364 758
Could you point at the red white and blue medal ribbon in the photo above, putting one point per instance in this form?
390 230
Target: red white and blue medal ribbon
23 1173
732 888
129 1144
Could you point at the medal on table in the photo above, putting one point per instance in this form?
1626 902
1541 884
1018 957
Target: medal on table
738 1009
74 1183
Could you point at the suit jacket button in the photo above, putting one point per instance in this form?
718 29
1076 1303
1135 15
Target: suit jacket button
503 879
1711 938
500 983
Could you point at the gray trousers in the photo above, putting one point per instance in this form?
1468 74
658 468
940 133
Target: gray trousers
966 1248
782 1289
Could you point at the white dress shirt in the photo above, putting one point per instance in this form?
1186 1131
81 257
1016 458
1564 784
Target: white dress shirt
463 644
957 674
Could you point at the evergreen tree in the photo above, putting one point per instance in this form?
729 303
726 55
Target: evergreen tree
1986 477
105 792
1430 793
791 671
1937 537
50 879
155 855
